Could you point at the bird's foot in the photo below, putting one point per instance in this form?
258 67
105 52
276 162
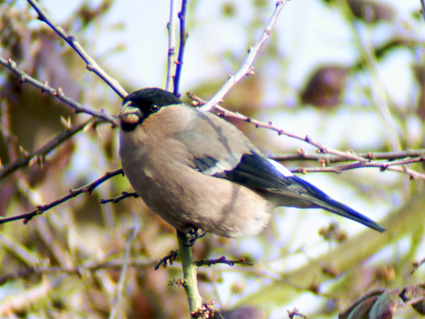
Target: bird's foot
191 234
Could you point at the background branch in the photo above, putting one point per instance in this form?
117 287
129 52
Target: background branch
44 87
74 44
72 193
40 154
171 62
120 286
246 68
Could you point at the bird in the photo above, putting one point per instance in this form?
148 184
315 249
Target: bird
196 170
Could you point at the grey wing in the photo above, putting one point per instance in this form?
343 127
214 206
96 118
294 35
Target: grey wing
214 144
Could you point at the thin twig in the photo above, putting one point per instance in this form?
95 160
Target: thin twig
72 193
382 166
183 38
226 113
39 154
44 87
171 65
167 260
119 198
221 260
328 158
113 264
91 64
120 285
246 68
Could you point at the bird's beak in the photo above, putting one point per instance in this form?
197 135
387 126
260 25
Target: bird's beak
130 115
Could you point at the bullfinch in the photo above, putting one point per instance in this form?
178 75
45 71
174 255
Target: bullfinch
194 169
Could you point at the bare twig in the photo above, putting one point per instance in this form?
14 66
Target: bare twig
183 37
40 154
390 166
72 193
221 260
226 113
328 158
119 198
44 87
363 159
167 260
120 285
113 264
246 68
91 64
171 65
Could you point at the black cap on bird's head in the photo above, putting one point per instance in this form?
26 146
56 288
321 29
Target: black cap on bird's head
137 106
144 98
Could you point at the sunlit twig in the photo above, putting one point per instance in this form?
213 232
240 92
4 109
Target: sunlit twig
246 68
91 64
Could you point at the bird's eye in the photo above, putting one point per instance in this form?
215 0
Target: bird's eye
154 108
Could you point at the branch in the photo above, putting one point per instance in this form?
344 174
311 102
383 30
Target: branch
327 158
171 64
44 87
183 37
120 285
167 260
221 260
119 198
113 264
40 154
189 273
225 113
390 166
72 193
91 64
246 68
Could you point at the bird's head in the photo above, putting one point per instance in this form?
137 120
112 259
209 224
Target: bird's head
140 104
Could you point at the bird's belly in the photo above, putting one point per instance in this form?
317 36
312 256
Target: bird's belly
213 204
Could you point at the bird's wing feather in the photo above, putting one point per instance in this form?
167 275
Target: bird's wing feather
223 151
256 171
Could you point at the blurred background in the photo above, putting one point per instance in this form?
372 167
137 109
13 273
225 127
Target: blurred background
349 74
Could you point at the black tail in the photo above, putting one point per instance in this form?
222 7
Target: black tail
321 200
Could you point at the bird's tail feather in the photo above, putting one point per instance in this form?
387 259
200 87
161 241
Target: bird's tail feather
321 200
345 211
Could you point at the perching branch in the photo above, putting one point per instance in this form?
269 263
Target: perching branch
72 193
91 64
39 155
246 68
44 87
189 273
